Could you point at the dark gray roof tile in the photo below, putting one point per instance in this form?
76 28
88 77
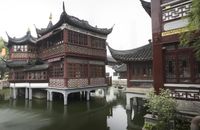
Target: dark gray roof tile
143 53
28 38
74 21
147 6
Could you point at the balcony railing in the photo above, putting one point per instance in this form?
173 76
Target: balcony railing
23 55
73 49
76 49
184 91
51 51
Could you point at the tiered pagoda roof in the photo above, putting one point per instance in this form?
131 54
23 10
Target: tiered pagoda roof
147 6
27 65
28 38
143 53
73 21
37 67
16 63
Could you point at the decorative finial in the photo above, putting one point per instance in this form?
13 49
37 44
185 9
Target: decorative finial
50 17
28 30
63 6
150 41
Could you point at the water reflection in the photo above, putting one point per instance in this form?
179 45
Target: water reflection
14 118
98 114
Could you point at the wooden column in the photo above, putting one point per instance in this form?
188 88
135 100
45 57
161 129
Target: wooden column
128 74
65 72
89 41
65 40
89 70
156 16
158 67
192 64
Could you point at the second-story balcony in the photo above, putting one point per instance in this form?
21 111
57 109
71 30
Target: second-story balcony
84 50
52 51
23 55
71 49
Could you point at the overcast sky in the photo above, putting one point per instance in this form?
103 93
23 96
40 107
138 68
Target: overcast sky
132 24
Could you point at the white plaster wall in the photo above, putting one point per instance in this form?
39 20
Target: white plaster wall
19 84
38 85
111 71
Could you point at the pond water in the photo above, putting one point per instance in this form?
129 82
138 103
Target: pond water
100 113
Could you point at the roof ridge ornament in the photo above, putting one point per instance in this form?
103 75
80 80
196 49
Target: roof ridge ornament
63 6
50 17
28 31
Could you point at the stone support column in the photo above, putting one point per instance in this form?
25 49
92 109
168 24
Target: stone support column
88 95
128 101
14 93
50 96
26 93
65 96
30 94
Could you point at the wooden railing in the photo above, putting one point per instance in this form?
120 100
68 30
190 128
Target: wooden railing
75 49
72 49
23 55
52 51
185 92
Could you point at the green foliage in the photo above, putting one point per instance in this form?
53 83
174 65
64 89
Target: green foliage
194 27
182 123
162 105
3 69
2 45
149 126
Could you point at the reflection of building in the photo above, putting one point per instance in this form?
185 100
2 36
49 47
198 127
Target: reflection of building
69 54
117 71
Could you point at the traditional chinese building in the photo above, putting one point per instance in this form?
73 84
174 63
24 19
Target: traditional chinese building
139 71
69 56
139 65
173 65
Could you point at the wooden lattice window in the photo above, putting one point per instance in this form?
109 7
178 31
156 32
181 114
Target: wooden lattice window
170 67
56 70
37 75
20 48
98 43
184 66
77 38
19 75
76 70
197 69
97 71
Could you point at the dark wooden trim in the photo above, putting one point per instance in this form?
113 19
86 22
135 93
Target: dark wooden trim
158 76
128 75
89 76
28 81
85 56
65 71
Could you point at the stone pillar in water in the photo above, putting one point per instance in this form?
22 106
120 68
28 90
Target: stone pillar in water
30 93
26 93
88 95
14 93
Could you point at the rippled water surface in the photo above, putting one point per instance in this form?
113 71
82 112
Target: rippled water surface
100 113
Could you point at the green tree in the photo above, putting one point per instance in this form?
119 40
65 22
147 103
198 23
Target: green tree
3 68
163 106
192 37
